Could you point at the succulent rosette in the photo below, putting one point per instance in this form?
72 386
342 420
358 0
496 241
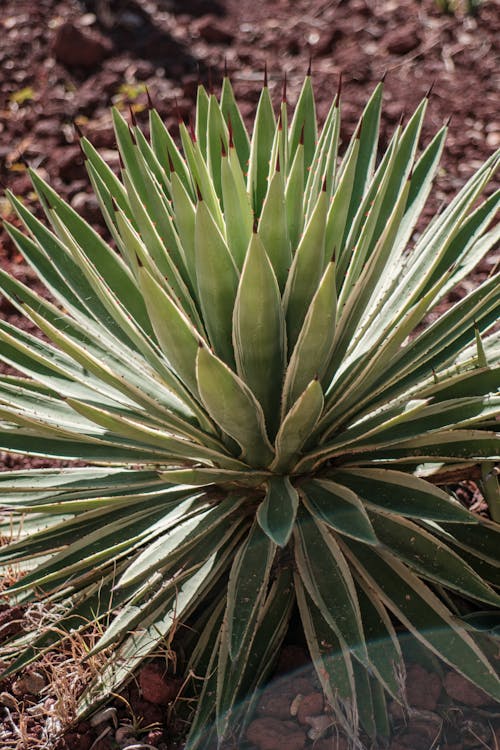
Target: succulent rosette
267 427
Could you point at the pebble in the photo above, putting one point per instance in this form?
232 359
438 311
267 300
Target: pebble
402 40
73 45
422 688
272 734
8 700
310 705
462 690
104 716
31 683
156 686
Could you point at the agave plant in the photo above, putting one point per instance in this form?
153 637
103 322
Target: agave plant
261 413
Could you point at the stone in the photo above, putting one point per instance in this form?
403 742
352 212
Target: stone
31 683
464 691
156 686
211 30
87 206
402 40
268 733
331 743
422 688
73 45
310 705
275 703
69 162
78 741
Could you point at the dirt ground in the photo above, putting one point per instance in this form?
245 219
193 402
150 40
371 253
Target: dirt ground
67 61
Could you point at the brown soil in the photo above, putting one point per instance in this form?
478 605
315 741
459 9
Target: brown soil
65 61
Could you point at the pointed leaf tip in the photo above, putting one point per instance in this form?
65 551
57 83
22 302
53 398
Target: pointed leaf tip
133 118
429 90
178 111
150 101
339 90
78 129
283 93
309 67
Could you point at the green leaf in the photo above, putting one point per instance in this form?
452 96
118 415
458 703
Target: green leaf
259 332
247 587
303 124
297 427
306 271
233 407
276 514
294 198
339 508
429 557
424 615
328 581
202 104
238 213
330 656
233 117
273 228
177 336
403 494
217 280
260 150
311 354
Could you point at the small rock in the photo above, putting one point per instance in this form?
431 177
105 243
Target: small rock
154 737
69 162
20 185
101 134
125 736
493 139
331 743
156 686
327 41
141 70
272 734
78 741
310 705
413 741
422 688
104 716
210 29
87 206
103 744
397 711
275 704
402 40
48 127
303 685
463 691
427 724
319 726
79 46
31 683
6 699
